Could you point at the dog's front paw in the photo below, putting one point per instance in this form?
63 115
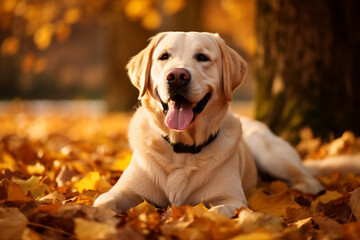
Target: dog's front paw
308 185
106 200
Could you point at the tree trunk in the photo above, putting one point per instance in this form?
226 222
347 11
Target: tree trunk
307 69
126 39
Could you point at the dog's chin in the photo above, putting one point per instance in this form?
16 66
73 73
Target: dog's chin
180 112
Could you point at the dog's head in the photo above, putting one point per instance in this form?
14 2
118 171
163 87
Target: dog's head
180 75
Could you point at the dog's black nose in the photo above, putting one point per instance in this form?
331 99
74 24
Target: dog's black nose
178 77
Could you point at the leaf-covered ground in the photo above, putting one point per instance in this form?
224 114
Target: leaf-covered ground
53 166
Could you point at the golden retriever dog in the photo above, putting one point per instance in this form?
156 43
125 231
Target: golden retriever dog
188 146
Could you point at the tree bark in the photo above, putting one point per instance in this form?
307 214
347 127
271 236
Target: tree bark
307 69
126 39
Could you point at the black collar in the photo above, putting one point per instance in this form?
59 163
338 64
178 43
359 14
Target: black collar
184 148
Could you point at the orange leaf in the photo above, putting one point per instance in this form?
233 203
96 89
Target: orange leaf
272 204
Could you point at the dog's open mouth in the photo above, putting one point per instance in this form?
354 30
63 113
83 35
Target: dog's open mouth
180 112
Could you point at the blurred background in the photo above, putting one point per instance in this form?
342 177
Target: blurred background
303 70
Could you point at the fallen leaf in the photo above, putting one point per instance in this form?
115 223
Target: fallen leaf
92 181
53 197
122 163
297 213
254 236
272 204
34 185
355 203
51 208
8 162
88 230
278 187
254 221
12 192
327 197
12 223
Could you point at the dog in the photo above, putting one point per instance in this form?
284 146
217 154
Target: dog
188 146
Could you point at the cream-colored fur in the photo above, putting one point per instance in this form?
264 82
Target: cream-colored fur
225 169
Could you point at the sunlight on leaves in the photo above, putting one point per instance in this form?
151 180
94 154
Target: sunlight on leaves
122 163
92 181
42 37
170 7
10 46
36 169
136 9
152 19
63 31
72 15
8 162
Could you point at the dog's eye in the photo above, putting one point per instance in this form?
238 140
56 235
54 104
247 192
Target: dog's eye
164 56
201 57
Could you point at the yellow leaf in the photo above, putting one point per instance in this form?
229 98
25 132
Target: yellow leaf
92 181
272 204
121 164
327 197
34 185
87 230
152 20
88 182
42 37
85 200
10 46
8 162
254 236
38 168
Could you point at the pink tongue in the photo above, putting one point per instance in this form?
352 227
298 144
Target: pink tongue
179 115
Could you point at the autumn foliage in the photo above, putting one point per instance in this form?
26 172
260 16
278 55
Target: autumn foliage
53 166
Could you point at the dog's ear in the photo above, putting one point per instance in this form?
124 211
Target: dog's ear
234 67
139 66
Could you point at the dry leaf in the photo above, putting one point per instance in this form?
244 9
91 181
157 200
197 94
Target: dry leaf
52 198
253 221
12 223
34 185
272 204
327 197
12 192
88 230
355 203
92 181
